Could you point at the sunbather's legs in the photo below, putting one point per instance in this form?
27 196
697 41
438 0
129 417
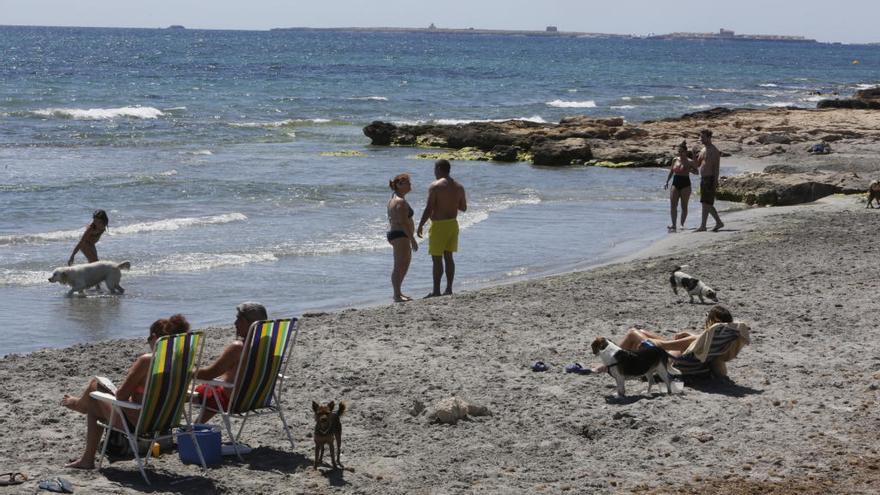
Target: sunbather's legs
79 404
635 336
94 410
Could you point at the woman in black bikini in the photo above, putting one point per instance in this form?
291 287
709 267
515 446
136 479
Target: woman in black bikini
91 237
682 166
400 233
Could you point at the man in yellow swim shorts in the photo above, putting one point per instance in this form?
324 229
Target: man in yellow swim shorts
446 198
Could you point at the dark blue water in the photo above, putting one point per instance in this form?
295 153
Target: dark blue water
209 150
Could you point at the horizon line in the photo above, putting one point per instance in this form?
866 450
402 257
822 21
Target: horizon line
545 32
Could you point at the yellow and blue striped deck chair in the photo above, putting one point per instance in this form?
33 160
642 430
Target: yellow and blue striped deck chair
259 377
174 360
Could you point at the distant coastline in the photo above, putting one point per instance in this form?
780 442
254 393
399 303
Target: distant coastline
552 31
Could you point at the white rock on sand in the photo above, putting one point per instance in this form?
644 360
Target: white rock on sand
799 417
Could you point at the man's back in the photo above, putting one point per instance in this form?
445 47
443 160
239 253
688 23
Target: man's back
448 198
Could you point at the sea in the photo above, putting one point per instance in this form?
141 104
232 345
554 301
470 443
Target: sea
234 168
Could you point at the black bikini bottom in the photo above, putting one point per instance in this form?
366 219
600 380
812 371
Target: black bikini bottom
395 234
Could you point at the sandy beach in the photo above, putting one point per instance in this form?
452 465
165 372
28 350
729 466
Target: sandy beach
800 417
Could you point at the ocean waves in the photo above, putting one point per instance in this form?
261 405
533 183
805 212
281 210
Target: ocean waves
571 104
135 228
135 112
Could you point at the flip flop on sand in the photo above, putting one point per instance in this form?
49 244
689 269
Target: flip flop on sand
57 485
577 368
9 479
540 366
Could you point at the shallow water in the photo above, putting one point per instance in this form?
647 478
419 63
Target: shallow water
205 148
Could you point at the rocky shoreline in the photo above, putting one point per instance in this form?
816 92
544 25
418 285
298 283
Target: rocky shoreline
821 151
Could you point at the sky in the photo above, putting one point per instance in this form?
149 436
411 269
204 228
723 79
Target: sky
848 21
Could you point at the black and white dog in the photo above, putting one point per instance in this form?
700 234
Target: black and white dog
623 364
692 285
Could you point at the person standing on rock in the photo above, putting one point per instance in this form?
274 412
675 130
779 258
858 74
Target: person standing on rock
446 198
709 162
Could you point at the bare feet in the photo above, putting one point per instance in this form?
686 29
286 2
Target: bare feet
432 294
701 229
70 402
80 464
670 228
718 226
448 292
402 298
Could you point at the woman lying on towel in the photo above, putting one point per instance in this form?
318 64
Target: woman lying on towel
132 390
701 345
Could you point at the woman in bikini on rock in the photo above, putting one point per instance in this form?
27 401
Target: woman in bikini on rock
132 389
400 233
680 172
91 237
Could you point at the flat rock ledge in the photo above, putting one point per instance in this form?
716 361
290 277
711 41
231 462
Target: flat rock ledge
782 189
793 135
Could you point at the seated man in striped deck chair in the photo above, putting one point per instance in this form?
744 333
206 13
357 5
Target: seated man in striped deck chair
227 363
719 342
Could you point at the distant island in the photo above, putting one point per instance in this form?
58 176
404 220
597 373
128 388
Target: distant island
726 34
176 26
722 34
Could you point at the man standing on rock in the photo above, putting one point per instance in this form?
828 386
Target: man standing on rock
709 162
445 199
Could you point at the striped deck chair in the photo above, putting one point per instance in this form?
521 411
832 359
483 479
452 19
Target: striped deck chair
171 370
720 340
259 377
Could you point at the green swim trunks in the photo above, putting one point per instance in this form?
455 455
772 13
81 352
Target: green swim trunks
443 236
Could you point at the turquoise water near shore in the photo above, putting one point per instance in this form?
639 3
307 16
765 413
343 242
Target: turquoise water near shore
205 147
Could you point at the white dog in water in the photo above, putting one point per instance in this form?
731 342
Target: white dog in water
81 277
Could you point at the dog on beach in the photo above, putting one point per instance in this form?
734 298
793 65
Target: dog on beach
873 193
692 285
81 277
622 364
328 428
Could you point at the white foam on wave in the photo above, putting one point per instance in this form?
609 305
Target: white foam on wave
867 86
699 107
100 113
135 228
23 277
368 98
174 109
277 124
535 118
571 104
197 262
168 173
468 220
198 153
769 85
622 107
815 98
779 104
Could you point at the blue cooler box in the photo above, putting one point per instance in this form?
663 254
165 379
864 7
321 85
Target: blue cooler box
209 441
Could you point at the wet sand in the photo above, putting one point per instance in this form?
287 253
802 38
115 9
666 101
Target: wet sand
801 414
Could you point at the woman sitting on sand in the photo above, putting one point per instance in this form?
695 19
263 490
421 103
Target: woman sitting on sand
91 237
400 233
681 342
680 172
132 389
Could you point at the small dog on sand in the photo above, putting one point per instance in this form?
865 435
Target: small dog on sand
623 364
692 285
873 193
328 428
81 277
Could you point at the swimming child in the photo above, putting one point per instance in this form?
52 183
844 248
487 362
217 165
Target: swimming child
91 237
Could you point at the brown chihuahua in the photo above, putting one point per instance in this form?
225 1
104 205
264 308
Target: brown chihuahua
328 427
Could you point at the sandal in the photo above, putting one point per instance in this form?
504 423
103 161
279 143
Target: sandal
9 479
57 485
540 366
577 368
